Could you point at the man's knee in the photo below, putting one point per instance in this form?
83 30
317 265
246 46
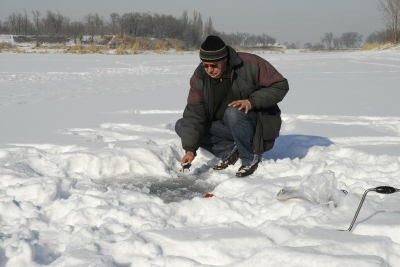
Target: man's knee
178 127
232 114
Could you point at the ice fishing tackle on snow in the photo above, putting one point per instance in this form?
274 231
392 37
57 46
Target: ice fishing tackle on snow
185 166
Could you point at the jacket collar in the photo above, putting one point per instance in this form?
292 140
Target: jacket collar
234 59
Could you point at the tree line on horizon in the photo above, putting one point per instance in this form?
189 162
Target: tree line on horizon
192 31
390 12
330 41
351 40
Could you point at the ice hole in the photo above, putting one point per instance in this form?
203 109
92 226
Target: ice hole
168 189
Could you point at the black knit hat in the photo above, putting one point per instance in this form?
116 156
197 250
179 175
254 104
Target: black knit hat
213 49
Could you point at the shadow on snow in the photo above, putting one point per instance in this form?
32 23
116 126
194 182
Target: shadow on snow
295 146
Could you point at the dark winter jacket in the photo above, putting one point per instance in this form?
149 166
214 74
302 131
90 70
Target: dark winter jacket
253 78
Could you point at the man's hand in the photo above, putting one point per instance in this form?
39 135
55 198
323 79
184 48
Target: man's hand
189 157
243 104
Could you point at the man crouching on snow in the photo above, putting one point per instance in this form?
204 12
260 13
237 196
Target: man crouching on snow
232 108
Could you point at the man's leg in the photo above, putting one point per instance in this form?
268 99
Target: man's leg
217 139
242 127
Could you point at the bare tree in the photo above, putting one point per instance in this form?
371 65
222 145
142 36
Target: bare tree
251 41
390 10
351 39
17 23
208 27
76 30
172 27
327 39
114 23
12 21
158 26
268 39
376 37
25 23
317 47
36 20
145 28
337 42
4 27
197 28
244 39
185 28
308 45
122 24
133 23
90 25
94 25
20 23
54 22
99 24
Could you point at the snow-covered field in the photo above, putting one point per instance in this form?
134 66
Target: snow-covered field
89 166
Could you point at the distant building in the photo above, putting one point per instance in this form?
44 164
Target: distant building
278 46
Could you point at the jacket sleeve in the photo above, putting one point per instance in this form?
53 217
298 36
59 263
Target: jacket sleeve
273 86
194 117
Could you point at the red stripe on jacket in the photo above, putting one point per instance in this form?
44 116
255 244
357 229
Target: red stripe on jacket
267 74
194 93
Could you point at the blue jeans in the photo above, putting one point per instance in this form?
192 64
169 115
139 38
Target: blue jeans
236 131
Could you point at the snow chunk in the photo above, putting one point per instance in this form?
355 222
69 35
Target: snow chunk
316 188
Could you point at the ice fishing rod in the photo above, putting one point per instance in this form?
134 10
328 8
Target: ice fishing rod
381 190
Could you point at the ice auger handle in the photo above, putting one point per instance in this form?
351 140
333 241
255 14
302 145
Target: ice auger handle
380 190
386 190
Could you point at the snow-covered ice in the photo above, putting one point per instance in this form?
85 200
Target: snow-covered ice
90 166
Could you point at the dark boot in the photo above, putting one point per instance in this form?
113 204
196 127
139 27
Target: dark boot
229 161
247 170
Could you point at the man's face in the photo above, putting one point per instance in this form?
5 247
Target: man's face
215 69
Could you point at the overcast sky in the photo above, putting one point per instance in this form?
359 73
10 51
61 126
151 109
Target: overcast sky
286 20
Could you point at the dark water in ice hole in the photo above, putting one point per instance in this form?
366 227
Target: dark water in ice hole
168 189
